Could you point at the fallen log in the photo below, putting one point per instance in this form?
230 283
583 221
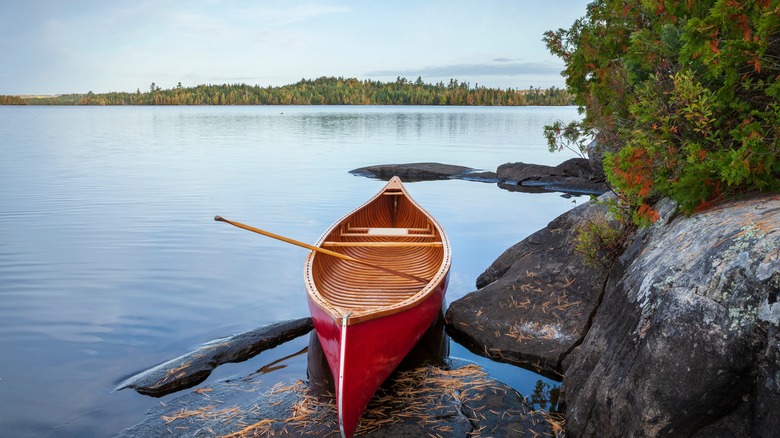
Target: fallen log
193 368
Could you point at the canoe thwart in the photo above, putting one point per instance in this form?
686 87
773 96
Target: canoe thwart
380 244
409 230
388 232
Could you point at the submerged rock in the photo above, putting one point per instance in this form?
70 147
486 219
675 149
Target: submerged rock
451 399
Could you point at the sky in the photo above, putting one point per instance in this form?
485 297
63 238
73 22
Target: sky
76 46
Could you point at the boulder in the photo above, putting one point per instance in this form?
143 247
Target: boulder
519 172
685 341
576 167
572 176
535 301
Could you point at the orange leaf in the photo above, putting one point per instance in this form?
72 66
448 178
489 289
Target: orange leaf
714 46
648 213
756 64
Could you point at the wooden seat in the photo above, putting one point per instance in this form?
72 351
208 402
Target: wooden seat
387 232
386 244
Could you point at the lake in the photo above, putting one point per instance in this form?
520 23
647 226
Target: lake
111 262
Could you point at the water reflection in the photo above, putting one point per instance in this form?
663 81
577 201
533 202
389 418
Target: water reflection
279 364
110 261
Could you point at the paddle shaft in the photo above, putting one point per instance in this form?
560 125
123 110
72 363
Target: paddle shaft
318 249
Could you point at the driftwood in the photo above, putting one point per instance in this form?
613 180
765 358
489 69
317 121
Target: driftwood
193 368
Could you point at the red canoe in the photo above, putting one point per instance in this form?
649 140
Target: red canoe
369 315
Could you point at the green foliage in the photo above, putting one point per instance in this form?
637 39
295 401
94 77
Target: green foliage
572 136
682 94
324 91
600 242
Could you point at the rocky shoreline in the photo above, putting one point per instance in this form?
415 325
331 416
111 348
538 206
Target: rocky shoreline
679 337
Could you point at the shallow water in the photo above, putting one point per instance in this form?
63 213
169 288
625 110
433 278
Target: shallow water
110 261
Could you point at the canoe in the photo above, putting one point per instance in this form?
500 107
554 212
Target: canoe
369 315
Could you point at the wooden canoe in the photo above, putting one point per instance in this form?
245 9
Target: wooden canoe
367 319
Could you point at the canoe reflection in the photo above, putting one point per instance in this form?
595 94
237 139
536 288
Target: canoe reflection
432 349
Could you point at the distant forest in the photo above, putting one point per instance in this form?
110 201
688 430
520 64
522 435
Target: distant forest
322 91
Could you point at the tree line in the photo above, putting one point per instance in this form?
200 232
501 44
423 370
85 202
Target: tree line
12 100
321 91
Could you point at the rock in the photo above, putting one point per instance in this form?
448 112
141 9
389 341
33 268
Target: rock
193 368
414 171
685 342
453 400
534 301
596 159
576 167
519 172
571 176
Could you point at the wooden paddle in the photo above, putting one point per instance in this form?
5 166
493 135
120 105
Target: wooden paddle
318 249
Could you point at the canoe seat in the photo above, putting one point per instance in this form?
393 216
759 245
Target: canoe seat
388 232
380 244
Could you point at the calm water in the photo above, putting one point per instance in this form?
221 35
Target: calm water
110 261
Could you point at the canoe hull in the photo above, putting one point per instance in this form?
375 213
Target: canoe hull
373 300
371 351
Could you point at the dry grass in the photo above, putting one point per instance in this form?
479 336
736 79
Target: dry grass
256 427
186 413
